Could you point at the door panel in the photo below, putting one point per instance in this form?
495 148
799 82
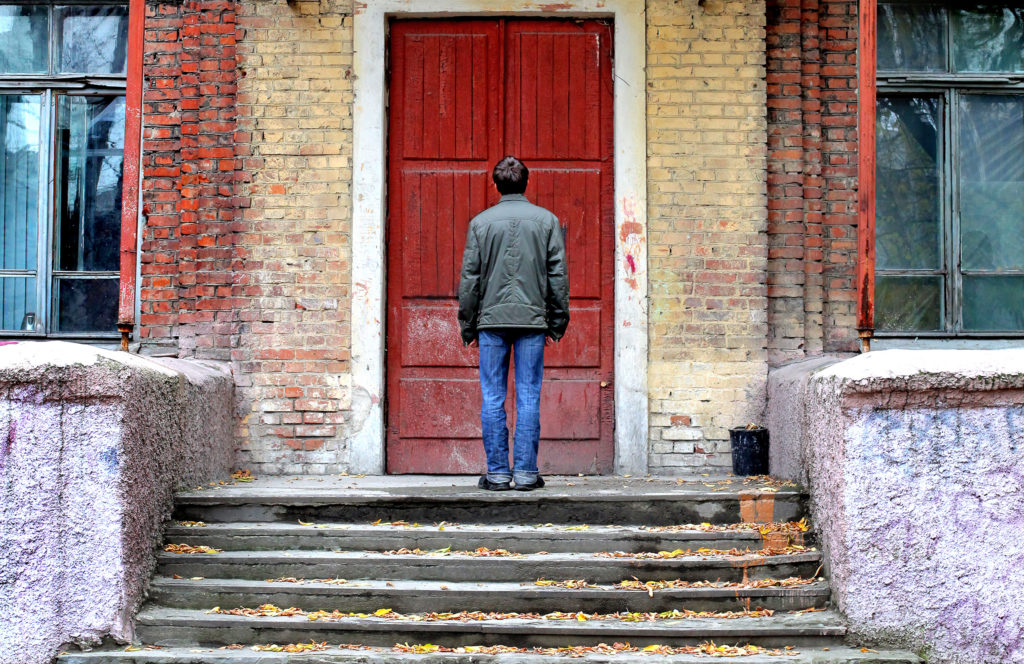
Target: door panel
464 94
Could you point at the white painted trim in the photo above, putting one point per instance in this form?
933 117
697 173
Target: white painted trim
367 440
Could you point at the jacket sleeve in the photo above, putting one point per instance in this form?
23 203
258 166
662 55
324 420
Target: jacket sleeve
558 284
469 288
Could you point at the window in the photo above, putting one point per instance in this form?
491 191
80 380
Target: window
62 112
949 226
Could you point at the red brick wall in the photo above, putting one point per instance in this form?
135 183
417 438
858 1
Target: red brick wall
245 248
812 169
191 290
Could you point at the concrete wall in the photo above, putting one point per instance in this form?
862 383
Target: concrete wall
92 444
915 463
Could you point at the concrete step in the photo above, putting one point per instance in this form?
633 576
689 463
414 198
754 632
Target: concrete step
422 596
181 627
565 500
834 654
279 536
527 568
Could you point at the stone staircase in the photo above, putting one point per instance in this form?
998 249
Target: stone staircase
430 569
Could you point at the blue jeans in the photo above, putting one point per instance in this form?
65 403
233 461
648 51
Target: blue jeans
496 346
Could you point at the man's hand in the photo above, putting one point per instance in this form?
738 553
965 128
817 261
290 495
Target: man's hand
473 343
548 340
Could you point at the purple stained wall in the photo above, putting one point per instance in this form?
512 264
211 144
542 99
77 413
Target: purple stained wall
92 445
915 463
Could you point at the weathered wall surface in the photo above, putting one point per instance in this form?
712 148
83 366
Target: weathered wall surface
295 108
707 238
92 444
245 243
916 474
247 252
812 177
786 416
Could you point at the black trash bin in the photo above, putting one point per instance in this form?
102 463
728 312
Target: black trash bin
749 450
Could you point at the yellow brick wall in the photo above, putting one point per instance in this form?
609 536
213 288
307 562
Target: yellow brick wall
295 108
707 216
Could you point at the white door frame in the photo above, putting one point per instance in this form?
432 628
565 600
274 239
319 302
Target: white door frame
366 453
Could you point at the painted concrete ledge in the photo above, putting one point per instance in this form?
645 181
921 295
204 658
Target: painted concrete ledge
93 444
915 465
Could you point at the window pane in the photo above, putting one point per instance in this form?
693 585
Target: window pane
992 181
911 37
19 180
908 303
90 144
908 228
993 303
18 304
23 39
988 38
86 305
92 39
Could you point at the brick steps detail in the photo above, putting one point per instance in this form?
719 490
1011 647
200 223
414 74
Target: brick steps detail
339 537
272 536
406 596
180 627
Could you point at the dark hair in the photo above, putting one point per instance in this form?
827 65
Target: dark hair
510 176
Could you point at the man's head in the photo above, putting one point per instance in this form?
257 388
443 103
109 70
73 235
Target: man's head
510 176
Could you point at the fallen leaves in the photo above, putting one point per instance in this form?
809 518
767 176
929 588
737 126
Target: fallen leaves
189 549
650 586
271 611
405 524
480 552
192 524
292 579
800 526
709 649
312 646
572 584
704 552
243 476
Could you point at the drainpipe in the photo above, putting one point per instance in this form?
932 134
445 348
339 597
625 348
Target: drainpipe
132 171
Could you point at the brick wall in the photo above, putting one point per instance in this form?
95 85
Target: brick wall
295 102
245 252
706 214
246 190
190 290
812 169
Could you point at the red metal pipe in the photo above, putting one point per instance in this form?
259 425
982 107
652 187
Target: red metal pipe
132 170
866 173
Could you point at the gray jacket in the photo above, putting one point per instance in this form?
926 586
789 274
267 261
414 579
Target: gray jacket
514 273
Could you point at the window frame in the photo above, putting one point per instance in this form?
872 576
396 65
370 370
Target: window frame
949 87
49 87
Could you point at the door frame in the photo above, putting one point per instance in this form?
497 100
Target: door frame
366 451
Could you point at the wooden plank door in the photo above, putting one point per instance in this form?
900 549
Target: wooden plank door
464 93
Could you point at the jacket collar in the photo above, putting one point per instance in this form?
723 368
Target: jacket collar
513 197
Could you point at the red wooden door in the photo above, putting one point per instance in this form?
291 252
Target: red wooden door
464 93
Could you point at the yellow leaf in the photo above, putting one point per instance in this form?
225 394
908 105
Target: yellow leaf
305 523
651 648
381 612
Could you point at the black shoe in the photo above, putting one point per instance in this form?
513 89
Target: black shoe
536 484
488 485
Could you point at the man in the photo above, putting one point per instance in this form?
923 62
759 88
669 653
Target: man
513 297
